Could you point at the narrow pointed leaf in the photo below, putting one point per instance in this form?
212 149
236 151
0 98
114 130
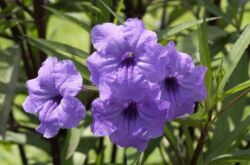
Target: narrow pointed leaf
234 57
70 18
9 66
120 19
165 33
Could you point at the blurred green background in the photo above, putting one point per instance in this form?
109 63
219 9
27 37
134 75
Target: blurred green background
27 29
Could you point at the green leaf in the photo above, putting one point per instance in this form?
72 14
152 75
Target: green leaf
234 57
234 134
69 18
60 46
57 49
72 141
210 6
164 34
238 88
9 66
118 11
205 59
234 157
153 144
120 19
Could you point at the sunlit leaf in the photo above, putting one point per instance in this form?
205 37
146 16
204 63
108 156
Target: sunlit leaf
70 18
9 66
72 141
235 157
205 59
120 19
165 33
234 57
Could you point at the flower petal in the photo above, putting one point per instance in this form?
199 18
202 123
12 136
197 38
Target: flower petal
102 67
106 115
129 84
129 141
29 106
38 96
49 126
136 35
152 116
70 112
45 73
48 129
67 80
108 38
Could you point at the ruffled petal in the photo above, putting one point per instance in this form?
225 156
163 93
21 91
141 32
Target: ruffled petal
45 73
108 38
106 115
136 35
102 67
123 140
48 116
152 116
48 129
152 63
129 84
194 83
29 106
70 112
179 109
38 96
67 80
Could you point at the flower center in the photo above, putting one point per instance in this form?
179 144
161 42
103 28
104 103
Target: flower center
171 84
128 59
130 111
57 99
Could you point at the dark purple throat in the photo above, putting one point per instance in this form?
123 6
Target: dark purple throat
171 84
128 59
130 112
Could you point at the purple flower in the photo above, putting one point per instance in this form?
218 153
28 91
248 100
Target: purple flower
123 54
51 96
130 123
181 82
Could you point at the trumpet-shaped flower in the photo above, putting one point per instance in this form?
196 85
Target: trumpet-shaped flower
122 53
130 123
181 82
51 96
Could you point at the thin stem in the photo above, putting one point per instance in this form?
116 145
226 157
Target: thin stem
22 154
113 155
55 150
14 127
230 103
199 146
162 156
16 34
175 149
201 141
163 18
25 8
40 23
6 36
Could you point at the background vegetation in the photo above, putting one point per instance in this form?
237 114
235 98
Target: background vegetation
217 133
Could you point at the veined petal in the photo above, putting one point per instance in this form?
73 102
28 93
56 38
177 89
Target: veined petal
136 35
70 112
101 66
122 139
48 129
108 38
45 73
106 115
38 95
67 80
